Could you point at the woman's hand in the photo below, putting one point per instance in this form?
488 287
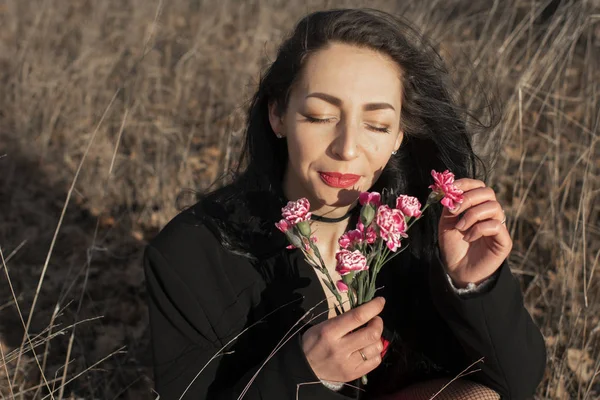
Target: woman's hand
334 351
473 246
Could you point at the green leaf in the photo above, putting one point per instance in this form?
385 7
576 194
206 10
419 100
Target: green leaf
329 286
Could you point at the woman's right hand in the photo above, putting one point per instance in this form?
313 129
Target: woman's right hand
332 347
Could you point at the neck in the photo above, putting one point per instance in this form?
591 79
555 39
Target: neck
328 233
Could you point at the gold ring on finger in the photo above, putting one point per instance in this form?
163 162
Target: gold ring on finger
362 355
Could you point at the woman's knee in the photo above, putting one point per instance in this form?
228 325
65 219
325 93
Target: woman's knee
443 389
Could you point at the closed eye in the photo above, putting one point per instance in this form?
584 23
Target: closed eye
384 130
325 120
317 120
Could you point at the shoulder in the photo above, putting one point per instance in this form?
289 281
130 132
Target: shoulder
187 237
188 249
195 285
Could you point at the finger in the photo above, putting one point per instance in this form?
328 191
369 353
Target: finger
476 194
364 367
490 228
466 184
481 212
370 334
343 324
372 350
474 197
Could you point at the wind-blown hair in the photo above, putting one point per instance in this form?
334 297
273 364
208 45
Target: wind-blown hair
433 121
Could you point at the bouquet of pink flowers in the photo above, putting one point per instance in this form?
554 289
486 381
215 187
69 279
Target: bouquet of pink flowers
376 239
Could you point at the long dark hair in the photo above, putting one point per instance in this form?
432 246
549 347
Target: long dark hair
433 119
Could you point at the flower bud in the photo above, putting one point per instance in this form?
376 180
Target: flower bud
348 278
341 287
434 197
367 214
304 228
294 239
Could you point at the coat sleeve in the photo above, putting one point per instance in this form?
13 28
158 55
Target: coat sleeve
185 338
493 325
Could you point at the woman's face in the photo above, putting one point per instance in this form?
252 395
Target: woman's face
342 124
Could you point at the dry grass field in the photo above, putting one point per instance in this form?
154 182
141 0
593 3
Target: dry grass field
112 110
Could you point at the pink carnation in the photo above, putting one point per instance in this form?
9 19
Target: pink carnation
409 205
341 286
444 186
296 211
350 261
283 225
350 238
372 198
392 226
344 241
371 235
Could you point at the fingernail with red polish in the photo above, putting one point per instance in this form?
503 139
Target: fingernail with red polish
386 345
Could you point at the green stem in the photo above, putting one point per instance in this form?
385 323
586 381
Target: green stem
360 279
325 271
416 219
365 286
351 297
374 272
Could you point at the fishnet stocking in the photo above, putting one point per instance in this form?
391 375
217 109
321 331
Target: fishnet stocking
457 390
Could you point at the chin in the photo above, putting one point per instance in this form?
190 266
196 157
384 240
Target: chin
335 197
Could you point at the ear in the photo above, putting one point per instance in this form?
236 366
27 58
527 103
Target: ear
275 120
398 140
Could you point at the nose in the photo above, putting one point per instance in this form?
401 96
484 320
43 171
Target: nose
345 146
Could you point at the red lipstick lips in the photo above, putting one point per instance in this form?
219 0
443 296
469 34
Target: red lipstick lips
337 180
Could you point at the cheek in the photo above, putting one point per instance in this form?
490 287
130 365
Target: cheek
308 142
300 152
379 152
378 165
378 155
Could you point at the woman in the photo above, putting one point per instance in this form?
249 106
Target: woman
355 101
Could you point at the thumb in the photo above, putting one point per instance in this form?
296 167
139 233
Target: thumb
448 220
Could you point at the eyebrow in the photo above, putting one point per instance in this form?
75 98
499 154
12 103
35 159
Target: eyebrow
338 102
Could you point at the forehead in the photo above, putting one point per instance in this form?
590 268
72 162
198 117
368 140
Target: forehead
352 73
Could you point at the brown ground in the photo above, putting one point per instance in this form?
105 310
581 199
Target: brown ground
114 107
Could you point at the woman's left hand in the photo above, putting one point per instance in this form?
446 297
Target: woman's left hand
473 246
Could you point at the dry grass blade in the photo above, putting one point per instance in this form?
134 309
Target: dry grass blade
41 339
14 252
86 370
32 347
44 269
286 338
462 374
220 351
4 364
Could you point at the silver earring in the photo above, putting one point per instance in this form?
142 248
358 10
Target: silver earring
394 152
279 136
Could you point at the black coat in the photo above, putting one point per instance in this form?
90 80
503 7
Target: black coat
202 296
